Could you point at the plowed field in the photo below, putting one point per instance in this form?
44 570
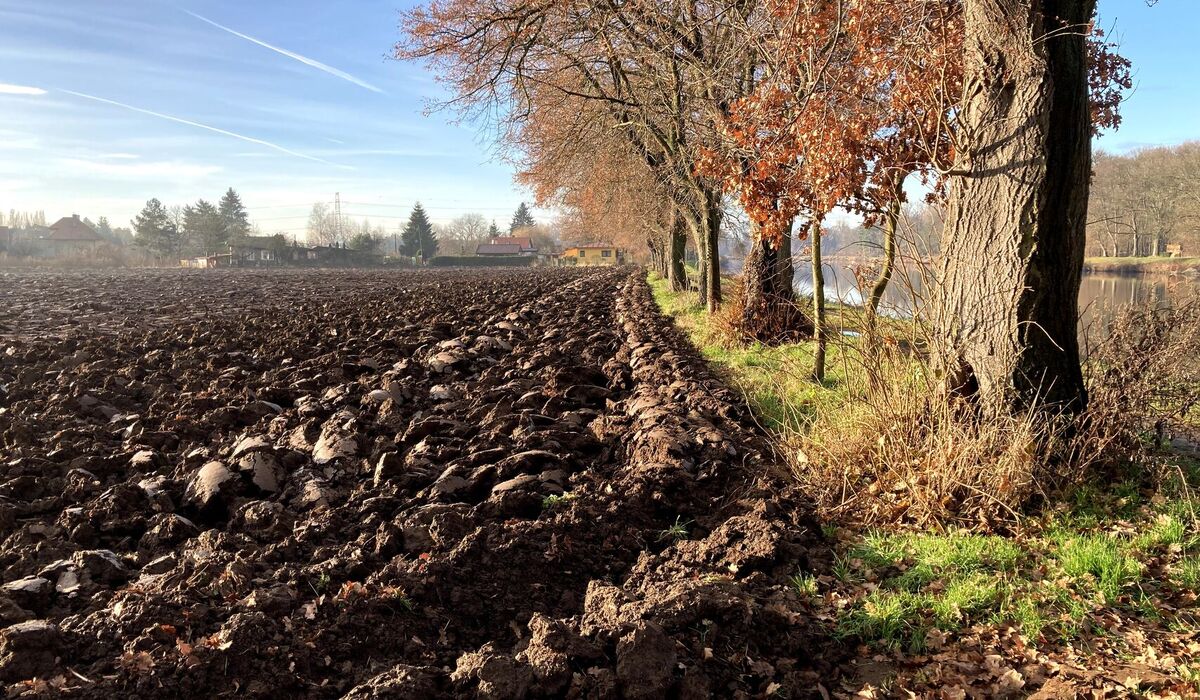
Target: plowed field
498 484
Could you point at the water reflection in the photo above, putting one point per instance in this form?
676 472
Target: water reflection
1100 295
841 284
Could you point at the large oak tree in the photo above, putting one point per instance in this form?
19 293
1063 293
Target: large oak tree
1007 303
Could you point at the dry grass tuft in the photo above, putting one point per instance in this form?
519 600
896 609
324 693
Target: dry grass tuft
907 454
902 451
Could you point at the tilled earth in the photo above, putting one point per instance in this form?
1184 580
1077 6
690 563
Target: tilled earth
498 484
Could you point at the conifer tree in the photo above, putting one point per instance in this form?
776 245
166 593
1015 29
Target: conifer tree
418 237
521 219
105 229
233 213
155 231
204 227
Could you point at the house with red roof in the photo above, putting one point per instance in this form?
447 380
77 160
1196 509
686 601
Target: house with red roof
507 246
70 235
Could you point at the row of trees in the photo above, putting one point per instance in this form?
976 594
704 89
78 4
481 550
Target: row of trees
419 237
200 228
325 229
653 114
1145 201
471 229
23 219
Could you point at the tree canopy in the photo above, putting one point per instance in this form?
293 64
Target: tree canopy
521 219
155 231
418 238
234 215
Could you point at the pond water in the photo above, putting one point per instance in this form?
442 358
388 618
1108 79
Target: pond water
1099 296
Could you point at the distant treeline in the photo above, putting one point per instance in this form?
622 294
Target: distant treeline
29 225
193 229
1145 201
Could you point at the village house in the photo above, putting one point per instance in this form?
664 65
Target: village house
254 251
592 255
507 246
270 251
71 236
339 256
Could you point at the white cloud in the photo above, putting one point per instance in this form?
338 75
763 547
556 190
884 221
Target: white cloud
10 89
198 125
176 170
291 54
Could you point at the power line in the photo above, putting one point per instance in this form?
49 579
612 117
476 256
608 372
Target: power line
283 206
386 206
429 206
281 218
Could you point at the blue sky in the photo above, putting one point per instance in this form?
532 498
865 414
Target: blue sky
326 110
356 127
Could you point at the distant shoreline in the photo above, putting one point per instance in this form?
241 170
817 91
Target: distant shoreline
1141 266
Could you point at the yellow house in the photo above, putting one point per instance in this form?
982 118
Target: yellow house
589 255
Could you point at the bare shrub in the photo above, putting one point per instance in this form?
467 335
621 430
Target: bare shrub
904 451
726 322
1144 372
107 256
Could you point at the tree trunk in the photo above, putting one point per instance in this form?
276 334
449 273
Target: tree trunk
1008 303
769 310
676 246
891 221
712 248
818 285
656 256
701 241
786 269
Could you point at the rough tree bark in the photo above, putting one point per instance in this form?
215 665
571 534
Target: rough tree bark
701 242
676 248
820 332
786 268
769 310
713 214
1013 256
891 222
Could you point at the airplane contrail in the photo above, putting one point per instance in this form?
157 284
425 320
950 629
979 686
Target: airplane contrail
291 54
198 125
10 89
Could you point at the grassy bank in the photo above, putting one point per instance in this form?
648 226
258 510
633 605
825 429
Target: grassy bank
775 380
1098 593
1133 266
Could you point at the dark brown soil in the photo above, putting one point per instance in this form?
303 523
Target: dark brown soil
499 484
